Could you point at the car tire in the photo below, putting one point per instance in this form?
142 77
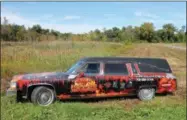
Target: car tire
146 94
43 96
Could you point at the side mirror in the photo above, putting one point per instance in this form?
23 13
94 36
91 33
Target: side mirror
81 74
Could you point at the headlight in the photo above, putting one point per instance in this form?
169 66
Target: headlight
12 84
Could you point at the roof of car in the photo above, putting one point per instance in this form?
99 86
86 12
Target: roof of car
116 59
158 62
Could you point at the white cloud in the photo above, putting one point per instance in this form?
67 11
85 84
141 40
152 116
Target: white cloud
71 17
146 14
14 18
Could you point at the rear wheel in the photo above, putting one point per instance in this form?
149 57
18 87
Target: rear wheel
145 94
42 96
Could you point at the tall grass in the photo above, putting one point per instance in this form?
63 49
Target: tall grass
19 58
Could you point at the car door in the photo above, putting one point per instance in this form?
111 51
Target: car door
87 83
116 76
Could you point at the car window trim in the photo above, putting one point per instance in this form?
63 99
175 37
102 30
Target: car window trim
125 63
92 73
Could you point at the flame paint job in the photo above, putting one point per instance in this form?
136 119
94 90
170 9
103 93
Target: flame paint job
167 85
84 86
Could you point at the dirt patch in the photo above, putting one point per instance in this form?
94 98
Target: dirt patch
179 47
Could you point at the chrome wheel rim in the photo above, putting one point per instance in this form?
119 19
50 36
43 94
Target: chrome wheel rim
45 98
147 94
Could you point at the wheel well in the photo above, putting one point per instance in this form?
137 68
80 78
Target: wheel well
31 88
147 85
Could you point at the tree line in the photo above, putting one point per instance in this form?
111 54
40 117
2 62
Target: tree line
146 32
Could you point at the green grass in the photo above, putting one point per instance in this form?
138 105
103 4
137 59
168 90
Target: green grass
153 110
19 58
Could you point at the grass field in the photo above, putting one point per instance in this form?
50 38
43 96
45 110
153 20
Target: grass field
58 56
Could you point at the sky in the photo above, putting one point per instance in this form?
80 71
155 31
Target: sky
81 17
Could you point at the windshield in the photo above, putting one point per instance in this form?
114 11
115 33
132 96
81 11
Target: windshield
75 67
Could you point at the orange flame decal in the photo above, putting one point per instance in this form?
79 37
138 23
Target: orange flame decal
84 85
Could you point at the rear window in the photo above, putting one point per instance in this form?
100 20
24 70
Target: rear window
115 68
153 68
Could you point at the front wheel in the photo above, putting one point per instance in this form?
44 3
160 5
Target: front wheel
42 96
145 94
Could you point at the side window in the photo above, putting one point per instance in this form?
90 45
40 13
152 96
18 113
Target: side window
92 68
145 68
150 68
115 68
134 69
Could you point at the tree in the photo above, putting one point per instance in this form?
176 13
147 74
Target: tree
137 32
147 31
116 32
37 28
180 36
45 31
66 36
55 33
127 34
112 34
98 35
16 32
5 29
109 34
169 30
123 28
20 35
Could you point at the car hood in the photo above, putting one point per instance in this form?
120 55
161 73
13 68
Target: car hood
41 76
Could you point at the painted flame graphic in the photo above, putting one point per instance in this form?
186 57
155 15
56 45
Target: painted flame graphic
84 85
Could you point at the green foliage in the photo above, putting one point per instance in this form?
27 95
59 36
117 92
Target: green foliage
37 28
168 31
181 37
145 33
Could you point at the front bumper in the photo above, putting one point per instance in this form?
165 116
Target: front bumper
11 92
